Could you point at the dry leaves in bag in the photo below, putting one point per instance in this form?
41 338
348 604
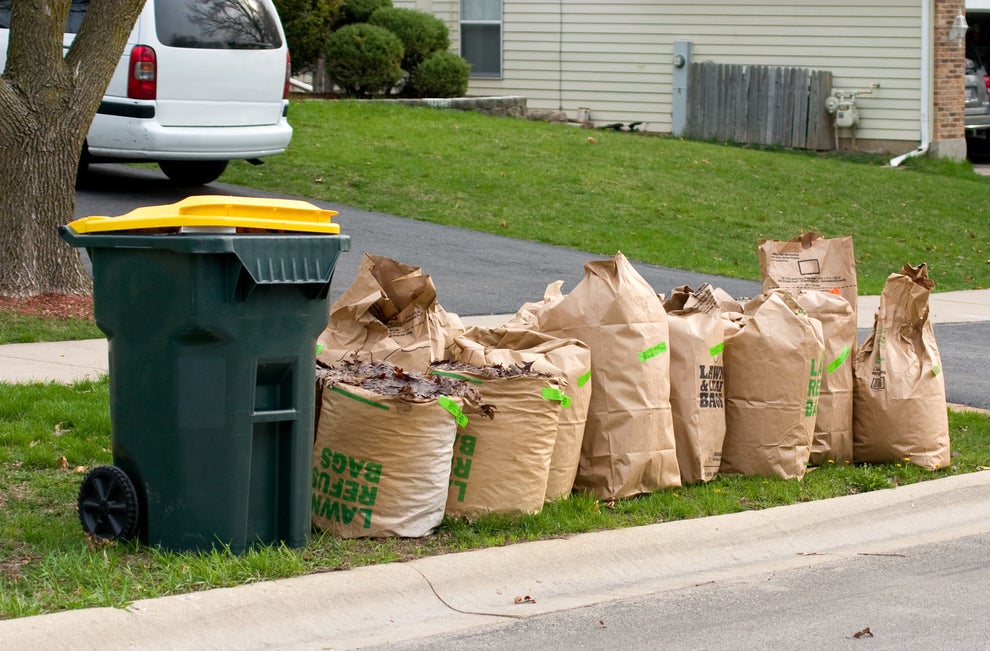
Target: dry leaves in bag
389 313
567 359
383 449
501 465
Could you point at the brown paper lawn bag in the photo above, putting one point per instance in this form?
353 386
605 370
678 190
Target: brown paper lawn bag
810 261
833 423
389 313
501 464
899 412
567 359
697 381
773 371
629 444
383 449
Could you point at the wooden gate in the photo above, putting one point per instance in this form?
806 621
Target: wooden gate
763 105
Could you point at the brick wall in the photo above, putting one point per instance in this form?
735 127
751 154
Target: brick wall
949 69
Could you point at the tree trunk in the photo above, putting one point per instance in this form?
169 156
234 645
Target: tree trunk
47 102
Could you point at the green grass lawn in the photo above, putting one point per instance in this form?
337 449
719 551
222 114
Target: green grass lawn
24 329
51 434
689 205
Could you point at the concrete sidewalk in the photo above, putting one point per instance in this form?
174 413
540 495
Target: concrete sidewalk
386 604
71 361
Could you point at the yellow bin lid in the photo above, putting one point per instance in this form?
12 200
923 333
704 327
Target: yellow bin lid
242 214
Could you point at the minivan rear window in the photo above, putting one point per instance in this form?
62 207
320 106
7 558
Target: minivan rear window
76 13
217 24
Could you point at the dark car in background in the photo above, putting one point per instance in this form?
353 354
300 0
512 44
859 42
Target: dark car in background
977 97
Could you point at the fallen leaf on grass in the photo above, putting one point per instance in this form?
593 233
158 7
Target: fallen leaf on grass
63 462
11 568
866 632
95 542
80 470
524 600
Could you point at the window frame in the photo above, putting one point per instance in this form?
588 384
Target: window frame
497 23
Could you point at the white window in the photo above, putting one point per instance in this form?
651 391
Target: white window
481 36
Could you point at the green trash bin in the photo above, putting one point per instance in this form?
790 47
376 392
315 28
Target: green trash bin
211 308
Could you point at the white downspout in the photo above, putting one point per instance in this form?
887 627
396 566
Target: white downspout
926 83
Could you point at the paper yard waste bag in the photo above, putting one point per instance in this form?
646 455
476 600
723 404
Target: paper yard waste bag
810 261
629 444
697 381
899 412
527 316
389 313
833 423
381 460
501 464
726 303
773 371
568 359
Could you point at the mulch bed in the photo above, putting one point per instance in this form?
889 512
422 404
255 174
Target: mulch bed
50 306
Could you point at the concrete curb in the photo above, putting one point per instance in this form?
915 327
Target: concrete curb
458 592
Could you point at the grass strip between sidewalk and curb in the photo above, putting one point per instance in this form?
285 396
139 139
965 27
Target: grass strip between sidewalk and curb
51 434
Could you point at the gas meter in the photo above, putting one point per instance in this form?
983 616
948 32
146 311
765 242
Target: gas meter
841 104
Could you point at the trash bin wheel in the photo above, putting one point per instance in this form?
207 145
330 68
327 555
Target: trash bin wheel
108 504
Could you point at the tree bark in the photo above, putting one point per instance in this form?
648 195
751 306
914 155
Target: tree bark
47 103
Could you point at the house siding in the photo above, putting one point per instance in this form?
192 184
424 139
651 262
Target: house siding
615 58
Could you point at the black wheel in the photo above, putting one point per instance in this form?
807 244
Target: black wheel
108 504
192 172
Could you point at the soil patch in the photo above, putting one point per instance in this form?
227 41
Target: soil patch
50 306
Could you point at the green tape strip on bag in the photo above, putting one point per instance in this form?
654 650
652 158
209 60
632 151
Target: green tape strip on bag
456 376
650 353
454 409
837 362
359 398
716 349
583 380
549 393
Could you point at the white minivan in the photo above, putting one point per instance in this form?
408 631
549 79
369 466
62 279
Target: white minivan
200 83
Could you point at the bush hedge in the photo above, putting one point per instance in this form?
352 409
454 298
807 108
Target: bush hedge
421 33
358 11
442 74
364 60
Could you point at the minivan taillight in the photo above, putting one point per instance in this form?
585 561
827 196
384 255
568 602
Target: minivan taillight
142 80
986 82
288 74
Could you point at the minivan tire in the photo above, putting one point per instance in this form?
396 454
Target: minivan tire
192 172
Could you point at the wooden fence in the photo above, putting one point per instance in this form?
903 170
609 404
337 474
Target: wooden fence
765 105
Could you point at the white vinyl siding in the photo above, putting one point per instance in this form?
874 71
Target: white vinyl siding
614 58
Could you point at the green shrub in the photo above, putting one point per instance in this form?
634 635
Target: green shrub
358 11
307 25
442 74
364 60
421 33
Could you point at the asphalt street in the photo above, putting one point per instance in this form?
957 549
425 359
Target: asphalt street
475 273
911 598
